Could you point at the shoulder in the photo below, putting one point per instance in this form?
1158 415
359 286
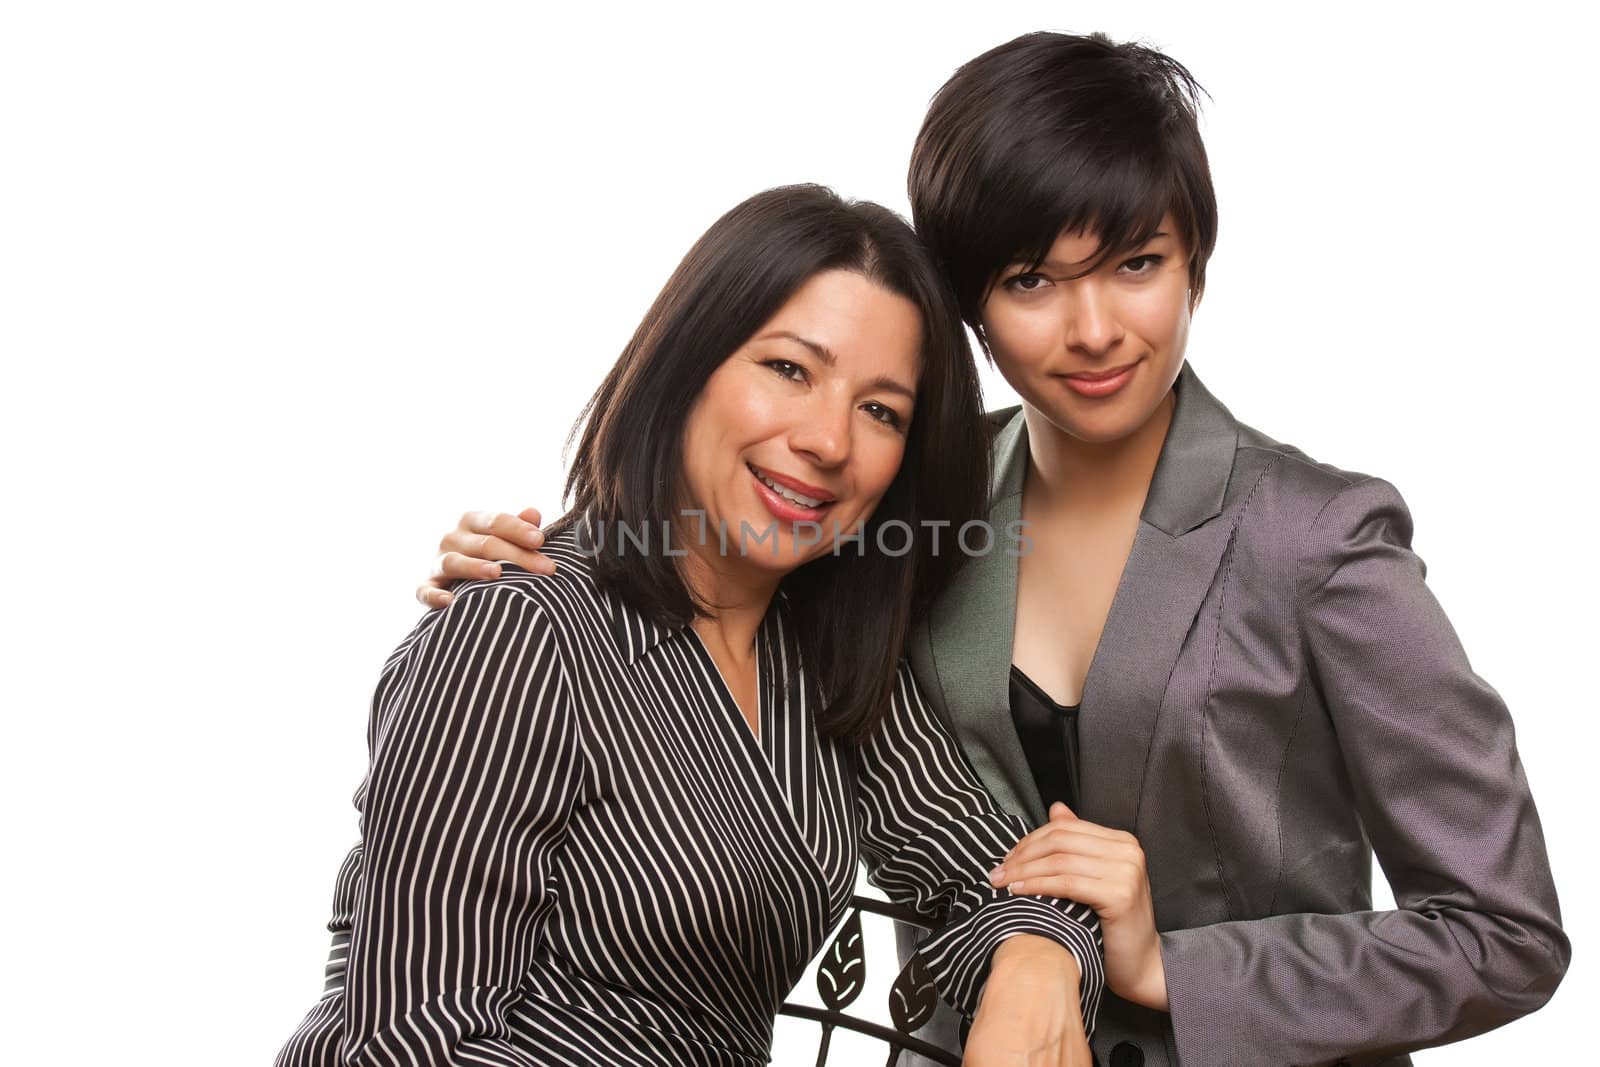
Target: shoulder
496 622
482 692
1318 516
995 425
1279 482
997 420
568 594
499 653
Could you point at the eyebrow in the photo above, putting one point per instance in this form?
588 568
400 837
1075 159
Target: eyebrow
889 385
1057 265
824 353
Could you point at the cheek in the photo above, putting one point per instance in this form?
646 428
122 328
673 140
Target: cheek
877 466
1161 319
734 410
709 438
699 430
1020 339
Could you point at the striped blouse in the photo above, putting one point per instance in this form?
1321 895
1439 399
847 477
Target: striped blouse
574 849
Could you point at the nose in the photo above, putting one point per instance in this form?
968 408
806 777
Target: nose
1092 327
822 433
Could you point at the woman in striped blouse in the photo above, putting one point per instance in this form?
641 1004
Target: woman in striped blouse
611 813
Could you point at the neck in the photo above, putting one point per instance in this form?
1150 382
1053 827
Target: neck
1063 469
736 600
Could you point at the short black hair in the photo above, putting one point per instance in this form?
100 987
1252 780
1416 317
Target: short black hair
853 610
1052 133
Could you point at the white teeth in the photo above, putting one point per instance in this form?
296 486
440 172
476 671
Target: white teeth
785 492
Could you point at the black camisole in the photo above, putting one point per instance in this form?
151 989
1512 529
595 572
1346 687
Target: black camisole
1049 734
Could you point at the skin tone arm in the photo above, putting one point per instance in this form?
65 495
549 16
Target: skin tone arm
1104 868
1032 989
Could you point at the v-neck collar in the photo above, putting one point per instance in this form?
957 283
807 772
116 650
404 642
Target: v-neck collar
1175 551
730 703
637 636
785 756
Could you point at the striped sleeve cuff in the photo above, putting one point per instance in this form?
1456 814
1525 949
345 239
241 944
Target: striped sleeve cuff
959 955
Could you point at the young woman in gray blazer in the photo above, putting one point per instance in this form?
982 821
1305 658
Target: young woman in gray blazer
1221 652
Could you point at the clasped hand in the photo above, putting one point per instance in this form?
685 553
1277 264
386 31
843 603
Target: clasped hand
1103 868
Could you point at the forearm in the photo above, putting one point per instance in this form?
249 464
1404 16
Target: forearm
462 1027
1031 961
1026 952
930 835
1317 987
988 929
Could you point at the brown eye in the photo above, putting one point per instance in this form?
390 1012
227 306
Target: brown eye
783 368
1026 283
883 413
1145 264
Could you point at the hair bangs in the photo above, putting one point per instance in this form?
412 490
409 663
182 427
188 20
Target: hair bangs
1119 200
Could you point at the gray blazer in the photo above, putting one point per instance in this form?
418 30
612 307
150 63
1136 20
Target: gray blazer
1276 695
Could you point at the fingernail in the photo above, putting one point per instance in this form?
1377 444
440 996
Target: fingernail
490 570
536 538
998 874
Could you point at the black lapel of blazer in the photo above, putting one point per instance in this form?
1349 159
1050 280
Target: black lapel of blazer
1173 563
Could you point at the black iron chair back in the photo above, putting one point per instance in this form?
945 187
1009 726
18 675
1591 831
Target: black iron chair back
840 974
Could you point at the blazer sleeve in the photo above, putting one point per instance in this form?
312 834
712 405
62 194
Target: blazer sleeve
930 834
475 767
1476 939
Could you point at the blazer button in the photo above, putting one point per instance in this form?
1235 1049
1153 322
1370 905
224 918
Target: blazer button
1125 1054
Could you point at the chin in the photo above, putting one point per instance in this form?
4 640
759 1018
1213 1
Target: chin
1098 428
776 554
1102 423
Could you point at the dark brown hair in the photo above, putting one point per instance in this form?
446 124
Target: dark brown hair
853 612
1050 134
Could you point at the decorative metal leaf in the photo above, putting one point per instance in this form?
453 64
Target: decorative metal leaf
912 998
839 975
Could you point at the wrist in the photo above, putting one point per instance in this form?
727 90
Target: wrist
1022 952
1150 989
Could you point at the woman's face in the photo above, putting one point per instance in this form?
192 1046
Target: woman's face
805 423
1095 355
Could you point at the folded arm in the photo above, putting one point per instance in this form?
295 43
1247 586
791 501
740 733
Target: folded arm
1476 939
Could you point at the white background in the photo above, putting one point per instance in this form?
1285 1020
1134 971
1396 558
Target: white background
285 287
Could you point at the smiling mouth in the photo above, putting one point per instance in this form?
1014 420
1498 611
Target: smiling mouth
791 495
1101 375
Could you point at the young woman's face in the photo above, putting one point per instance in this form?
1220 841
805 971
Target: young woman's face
805 423
1097 354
